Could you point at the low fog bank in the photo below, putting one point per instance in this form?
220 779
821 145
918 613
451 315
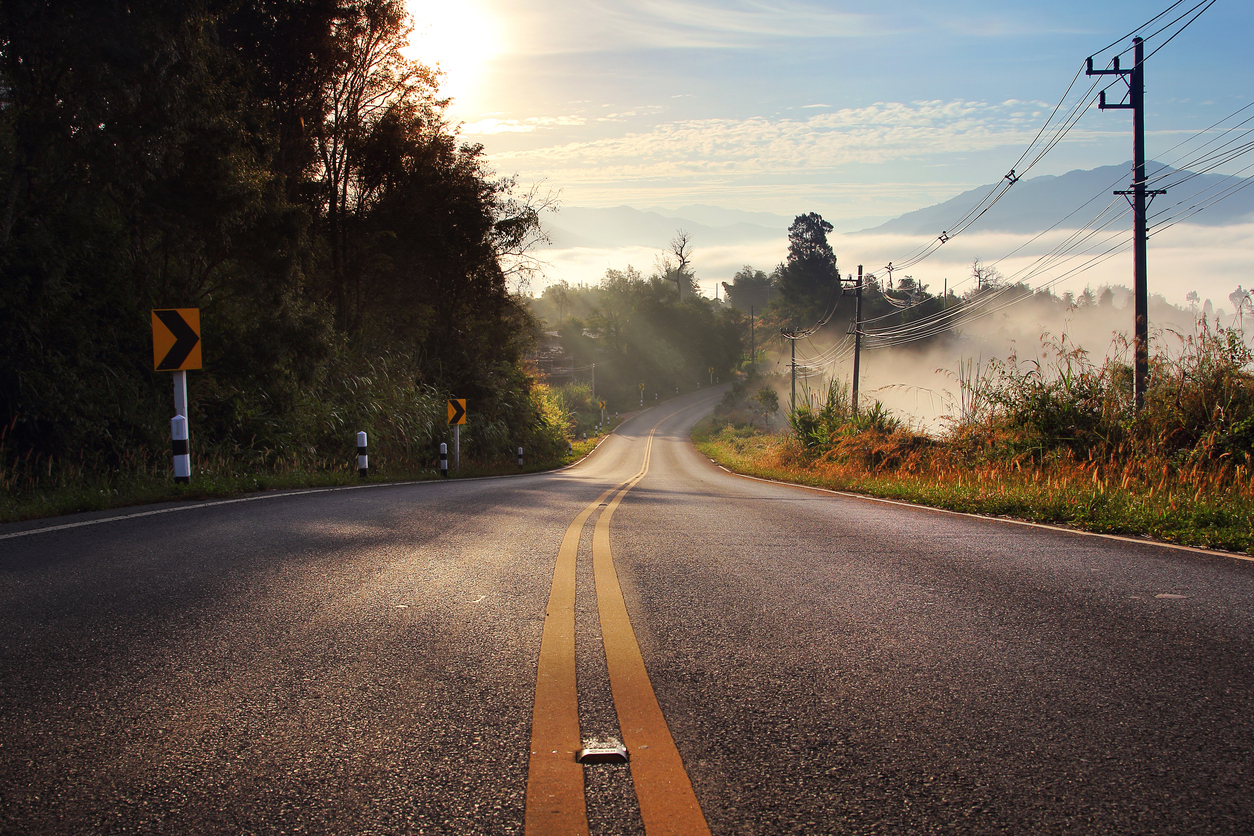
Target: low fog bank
921 382
1193 270
1211 261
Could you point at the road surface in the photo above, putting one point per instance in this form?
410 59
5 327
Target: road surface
428 658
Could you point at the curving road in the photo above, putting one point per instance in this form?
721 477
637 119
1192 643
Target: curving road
368 661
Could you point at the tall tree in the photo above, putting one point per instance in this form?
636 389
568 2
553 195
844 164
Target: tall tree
370 82
750 290
675 265
809 282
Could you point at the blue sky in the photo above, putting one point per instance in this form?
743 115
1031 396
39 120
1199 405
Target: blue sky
858 111
854 110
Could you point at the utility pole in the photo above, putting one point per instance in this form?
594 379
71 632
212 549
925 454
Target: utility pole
1135 79
752 351
792 337
857 338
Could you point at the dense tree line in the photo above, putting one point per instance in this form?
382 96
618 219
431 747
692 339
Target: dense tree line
643 330
279 165
808 287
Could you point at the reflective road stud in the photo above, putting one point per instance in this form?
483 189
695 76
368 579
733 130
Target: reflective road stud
363 460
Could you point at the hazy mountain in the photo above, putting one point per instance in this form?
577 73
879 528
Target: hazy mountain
1034 204
623 226
1038 203
718 216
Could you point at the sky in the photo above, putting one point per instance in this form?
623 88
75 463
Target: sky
857 111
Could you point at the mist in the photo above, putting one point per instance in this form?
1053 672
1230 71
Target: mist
1210 260
921 384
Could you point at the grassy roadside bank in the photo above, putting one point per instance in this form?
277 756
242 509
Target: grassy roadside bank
216 478
1058 490
1054 437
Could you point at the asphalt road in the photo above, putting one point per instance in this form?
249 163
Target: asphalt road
365 661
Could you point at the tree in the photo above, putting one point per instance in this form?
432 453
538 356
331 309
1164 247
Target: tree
372 88
674 265
986 277
277 164
1240 299
809 281
750 290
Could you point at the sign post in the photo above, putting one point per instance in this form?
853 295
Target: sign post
176 348
457 417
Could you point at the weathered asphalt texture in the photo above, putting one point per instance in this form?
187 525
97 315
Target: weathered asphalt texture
363 661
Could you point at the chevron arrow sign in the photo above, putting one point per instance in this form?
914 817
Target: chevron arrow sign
176 339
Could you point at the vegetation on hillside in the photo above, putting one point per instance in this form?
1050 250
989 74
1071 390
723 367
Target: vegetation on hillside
283 168
640 331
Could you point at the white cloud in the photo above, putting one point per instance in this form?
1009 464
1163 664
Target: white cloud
694 24
789 153
492 125
616 25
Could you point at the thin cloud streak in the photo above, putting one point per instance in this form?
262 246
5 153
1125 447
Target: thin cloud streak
789 154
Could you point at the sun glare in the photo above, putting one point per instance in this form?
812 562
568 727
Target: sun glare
461 37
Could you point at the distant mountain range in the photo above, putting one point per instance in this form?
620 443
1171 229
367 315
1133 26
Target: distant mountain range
1038 203
623 226
1034 204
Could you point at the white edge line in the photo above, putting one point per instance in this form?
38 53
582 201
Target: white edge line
214 503
988 518
208 504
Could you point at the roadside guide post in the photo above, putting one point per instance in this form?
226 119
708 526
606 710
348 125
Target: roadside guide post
176 348
178 443
363 459
457 417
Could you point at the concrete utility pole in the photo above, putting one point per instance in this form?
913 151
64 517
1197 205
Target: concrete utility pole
1135 79
857 338
792 337
752 351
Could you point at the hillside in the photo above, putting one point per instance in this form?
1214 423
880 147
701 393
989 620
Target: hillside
1038 203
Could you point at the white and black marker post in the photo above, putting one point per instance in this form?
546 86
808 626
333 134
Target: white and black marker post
520 457
444 460
182 455
178 431
363 457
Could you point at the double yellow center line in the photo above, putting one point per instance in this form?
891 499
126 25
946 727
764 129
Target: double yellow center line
555 790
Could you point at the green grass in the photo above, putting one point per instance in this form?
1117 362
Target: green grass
70 490
1177 508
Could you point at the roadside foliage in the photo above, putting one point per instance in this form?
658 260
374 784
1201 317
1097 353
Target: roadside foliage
283 168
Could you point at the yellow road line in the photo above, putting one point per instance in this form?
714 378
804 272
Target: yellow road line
555 802
667 802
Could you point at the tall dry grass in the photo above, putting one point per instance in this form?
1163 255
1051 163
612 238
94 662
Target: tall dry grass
1054 438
